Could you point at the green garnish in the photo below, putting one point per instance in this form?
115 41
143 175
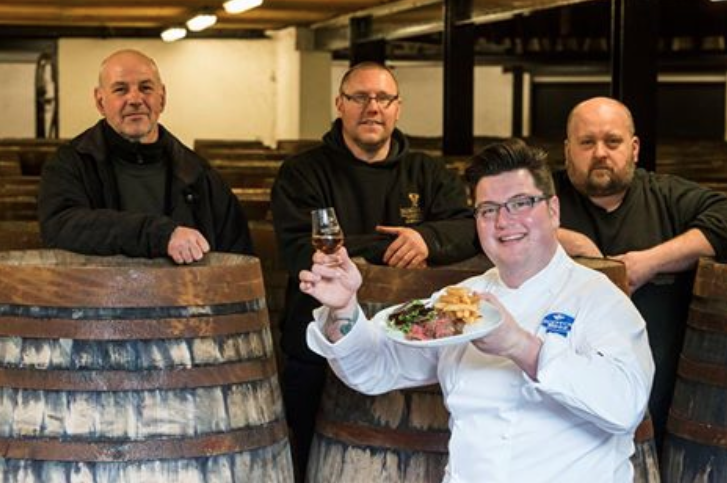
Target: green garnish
414 312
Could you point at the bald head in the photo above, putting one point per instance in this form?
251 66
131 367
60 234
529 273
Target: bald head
124 57
601 107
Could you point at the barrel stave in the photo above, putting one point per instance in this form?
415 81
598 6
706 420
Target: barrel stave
79 355
10 350
28 416
363 464
688 462
427 412
254 404
119 419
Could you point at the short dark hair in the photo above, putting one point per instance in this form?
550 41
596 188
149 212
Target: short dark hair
511 155
366 65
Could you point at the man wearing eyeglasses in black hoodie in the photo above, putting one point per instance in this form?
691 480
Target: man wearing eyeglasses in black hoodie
396 207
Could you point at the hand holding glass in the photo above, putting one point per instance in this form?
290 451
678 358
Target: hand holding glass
327 235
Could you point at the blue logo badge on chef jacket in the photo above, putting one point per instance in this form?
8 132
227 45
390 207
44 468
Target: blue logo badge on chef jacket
557 323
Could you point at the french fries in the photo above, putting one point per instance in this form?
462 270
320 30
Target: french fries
460 302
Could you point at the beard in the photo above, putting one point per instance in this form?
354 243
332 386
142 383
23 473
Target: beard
604 181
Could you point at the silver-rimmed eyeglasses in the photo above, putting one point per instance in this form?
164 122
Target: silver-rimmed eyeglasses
383 100
518 205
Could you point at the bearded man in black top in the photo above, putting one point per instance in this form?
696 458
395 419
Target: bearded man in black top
658 225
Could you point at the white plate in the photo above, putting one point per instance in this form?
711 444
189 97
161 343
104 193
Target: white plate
489 320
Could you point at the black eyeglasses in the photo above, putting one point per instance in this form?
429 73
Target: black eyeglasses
383 100
514 206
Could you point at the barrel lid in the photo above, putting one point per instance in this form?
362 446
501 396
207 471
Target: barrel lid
62 278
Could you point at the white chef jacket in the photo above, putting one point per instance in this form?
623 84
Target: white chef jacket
575 423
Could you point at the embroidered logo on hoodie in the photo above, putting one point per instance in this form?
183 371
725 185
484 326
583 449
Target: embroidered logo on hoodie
412 214
557 323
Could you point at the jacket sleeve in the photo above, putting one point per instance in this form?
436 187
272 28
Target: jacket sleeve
694 206
449 228
604 372
369 362
74 216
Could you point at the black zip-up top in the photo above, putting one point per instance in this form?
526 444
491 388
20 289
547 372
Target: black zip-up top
79 204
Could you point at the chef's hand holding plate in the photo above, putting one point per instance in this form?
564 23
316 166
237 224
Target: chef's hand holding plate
510 340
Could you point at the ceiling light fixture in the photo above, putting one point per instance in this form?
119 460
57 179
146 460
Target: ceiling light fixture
201 22
239 6
174 33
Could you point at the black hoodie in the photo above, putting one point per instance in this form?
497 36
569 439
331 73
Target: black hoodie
407 189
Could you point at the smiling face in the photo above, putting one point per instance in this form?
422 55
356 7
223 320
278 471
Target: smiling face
601 150
521 244
131 96
367 128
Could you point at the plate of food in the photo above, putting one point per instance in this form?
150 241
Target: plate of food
456 316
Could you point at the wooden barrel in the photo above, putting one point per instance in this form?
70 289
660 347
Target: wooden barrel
122 370
402 436
695 448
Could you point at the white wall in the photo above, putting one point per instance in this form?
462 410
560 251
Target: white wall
421 86
302 86
314 90
17 99
221 89
493 102
287 90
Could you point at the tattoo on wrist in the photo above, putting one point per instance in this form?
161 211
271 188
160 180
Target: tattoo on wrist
347 322
346 327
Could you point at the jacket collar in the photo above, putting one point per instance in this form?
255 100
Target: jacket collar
187 166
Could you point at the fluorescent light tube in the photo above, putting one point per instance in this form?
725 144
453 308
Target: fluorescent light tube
201 22
174 33
239 6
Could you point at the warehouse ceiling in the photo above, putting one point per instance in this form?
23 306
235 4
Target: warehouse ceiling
118 18
411 28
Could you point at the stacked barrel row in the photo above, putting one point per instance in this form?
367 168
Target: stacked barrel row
250 167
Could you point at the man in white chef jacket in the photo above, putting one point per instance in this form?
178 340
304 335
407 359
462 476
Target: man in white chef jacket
556 391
